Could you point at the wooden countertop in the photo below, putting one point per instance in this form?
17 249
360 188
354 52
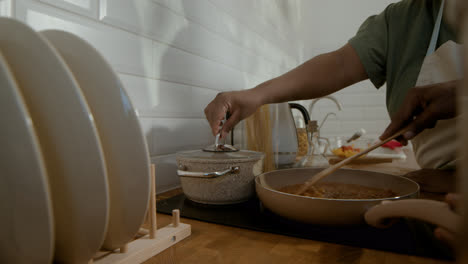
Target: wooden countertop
212 243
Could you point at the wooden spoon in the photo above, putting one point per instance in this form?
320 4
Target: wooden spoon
340 164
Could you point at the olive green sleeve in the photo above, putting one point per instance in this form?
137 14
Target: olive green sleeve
371 43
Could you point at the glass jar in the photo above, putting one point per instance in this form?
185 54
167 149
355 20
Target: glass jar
302 140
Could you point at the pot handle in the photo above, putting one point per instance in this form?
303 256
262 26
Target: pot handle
434 212
183 173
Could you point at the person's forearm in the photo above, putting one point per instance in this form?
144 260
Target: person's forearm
320 76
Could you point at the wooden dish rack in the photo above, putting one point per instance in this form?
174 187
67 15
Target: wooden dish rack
150 242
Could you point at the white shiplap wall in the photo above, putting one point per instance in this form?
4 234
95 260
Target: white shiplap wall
174 56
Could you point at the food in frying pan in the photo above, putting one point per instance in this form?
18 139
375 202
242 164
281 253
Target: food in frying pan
346 151
333 190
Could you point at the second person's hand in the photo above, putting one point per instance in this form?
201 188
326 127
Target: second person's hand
422 108
239 104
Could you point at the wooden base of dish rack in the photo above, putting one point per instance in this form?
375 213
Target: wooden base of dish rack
152 241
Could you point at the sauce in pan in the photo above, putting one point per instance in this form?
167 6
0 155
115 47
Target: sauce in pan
340 191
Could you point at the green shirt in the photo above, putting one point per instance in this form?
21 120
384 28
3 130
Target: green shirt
393 44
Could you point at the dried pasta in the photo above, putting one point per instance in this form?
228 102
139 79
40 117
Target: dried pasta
259 138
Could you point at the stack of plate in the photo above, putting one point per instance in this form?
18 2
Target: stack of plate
74 164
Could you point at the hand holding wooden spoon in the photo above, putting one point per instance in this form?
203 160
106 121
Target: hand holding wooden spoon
422 108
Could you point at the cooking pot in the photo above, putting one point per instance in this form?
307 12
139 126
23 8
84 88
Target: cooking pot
342 212
220 176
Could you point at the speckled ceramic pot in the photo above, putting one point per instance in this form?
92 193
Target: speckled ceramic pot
219 177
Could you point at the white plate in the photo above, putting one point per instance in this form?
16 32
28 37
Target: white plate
68 139
26 223
123 143
363 143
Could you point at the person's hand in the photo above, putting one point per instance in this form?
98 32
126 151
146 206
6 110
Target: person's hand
422 108
239 104
442 234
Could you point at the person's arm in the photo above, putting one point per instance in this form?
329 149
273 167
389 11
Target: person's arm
320 76
422 108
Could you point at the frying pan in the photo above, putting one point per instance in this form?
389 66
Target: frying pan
342 212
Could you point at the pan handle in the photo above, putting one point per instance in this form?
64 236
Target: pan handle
183 173
434 212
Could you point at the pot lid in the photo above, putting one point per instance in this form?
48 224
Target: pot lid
220 148
219 156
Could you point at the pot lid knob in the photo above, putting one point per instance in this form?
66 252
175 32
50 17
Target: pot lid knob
220 148
217 146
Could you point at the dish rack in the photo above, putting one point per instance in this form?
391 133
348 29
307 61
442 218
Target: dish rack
150 242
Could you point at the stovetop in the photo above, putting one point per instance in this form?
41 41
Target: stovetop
406 236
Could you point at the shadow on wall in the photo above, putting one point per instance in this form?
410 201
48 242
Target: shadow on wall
180 65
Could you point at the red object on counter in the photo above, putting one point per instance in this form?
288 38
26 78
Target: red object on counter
393 144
